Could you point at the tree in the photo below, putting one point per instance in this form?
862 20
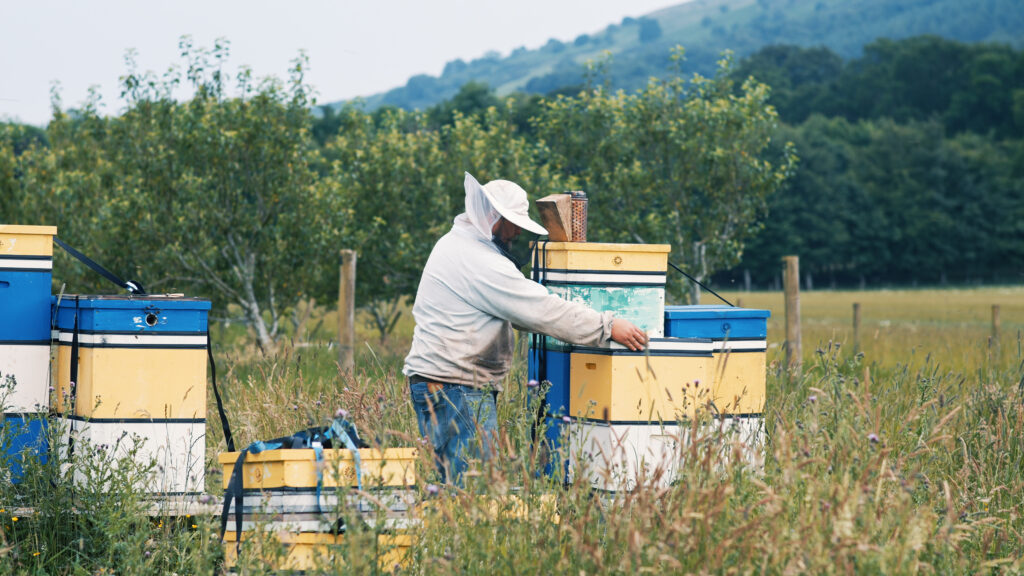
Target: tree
649 31
220 189
679 162
403 179
215 196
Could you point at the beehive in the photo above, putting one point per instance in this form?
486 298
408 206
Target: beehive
739 369
26 264
138 368
627 279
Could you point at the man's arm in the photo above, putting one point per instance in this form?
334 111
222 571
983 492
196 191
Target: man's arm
504 292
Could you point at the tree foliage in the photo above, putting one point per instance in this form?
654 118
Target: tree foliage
679 162
215 195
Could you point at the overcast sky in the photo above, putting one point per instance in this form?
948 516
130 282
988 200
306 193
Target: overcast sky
356 48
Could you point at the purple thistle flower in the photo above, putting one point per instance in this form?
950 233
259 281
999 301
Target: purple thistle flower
341 413
532 384
812 398
432 488
873 438
566 419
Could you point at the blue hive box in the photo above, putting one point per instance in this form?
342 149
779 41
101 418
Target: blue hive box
22 437
716 322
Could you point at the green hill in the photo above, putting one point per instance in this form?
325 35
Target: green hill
640 47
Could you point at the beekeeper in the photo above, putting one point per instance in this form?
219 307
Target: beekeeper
470 296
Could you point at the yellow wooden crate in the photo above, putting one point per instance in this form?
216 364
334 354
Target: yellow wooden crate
739 382
132 383
26 240
311 550
297 468
668 382
596 256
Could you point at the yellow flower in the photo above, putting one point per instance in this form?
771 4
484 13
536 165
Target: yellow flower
35 553
14 518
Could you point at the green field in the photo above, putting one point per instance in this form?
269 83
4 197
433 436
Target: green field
902 457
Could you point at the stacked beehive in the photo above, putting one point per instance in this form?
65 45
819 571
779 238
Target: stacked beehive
306 505
618 410
132 370
26 264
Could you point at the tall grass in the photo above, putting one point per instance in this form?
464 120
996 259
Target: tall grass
904 456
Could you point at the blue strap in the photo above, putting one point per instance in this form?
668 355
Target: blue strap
318 450
338 431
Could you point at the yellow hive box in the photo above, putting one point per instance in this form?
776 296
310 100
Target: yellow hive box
665 383
298 468
311 550
26 240
596 256
126 383
739 378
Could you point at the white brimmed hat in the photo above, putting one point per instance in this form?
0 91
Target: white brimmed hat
509 199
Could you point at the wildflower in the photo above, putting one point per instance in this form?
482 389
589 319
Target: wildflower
812 398
566 419
148 553
36 553
204 499
532 384
432 488
873 438
14 518
341 413
51 388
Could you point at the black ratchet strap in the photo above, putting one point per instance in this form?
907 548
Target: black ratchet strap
132 286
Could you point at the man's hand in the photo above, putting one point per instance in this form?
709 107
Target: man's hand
628 334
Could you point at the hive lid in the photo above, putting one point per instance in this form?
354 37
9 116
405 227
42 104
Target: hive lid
602 247
19 229
125 301
703 311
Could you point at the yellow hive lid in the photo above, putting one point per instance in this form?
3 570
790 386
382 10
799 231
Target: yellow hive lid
26 230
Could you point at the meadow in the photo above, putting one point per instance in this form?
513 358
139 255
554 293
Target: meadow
900 455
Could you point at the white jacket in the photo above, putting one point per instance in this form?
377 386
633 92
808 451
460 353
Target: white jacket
469 298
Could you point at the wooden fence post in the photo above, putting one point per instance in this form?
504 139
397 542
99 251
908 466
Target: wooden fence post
791 284
995 323
856 327
347 312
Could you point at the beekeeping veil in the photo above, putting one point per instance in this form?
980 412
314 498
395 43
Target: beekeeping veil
485 205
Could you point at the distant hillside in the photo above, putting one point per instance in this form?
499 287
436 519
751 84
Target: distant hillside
640 47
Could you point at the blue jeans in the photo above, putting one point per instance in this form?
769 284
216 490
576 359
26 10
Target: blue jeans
461 422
